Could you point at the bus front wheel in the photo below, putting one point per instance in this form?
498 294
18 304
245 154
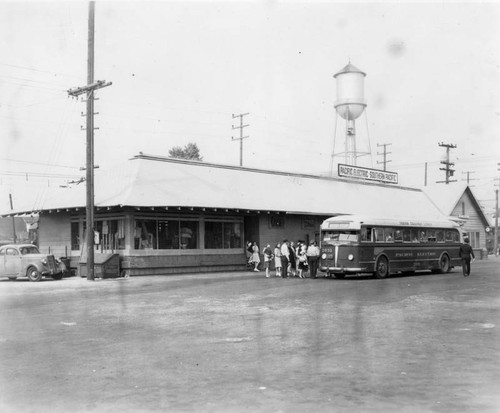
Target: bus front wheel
382 268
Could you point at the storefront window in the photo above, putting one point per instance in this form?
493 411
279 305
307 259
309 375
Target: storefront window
213 235
188 234
223 235
168 235
75 236
145 234
165 234
111 233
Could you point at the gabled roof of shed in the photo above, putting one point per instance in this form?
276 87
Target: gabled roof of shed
446 198
149 181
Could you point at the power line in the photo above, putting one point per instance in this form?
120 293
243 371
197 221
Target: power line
38 163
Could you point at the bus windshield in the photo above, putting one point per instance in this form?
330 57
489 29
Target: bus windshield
340 236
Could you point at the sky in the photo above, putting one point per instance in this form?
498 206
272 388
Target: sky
181 70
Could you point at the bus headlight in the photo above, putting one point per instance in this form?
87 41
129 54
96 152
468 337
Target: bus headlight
323 256
350 257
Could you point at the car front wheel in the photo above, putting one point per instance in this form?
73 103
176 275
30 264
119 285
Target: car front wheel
33 274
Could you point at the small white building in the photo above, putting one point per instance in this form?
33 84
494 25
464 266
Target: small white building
458 201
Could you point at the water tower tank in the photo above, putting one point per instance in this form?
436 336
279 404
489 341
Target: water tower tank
350 92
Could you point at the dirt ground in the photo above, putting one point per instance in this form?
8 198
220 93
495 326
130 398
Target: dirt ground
238 342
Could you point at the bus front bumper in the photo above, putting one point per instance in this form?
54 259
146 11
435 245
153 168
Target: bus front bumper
342 270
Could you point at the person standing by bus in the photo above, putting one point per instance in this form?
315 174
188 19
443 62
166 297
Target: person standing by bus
255 258
268 256
285 258
466 253
313 258
277 259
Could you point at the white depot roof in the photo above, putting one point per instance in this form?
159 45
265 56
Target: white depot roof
147 181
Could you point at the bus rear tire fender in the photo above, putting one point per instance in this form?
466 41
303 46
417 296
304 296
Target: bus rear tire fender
382 267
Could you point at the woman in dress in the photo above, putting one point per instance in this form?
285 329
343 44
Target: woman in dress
302 261
255 258
277 259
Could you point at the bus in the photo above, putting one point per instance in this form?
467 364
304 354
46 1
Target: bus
355 244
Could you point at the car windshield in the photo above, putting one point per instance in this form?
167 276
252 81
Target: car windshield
29 250
340 236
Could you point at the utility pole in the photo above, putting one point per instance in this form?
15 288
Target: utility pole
89 90
496 223
14 236
449 172
385 153
468 176
241 134
425 175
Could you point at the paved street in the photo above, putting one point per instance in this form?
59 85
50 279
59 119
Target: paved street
232 342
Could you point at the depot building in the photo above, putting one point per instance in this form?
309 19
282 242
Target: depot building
166 216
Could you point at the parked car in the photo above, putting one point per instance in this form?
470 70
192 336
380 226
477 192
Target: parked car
25 260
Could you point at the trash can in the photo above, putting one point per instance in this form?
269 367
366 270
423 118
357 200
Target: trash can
67 263
105 266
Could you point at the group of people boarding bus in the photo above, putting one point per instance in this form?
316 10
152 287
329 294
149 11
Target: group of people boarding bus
356 244
290 259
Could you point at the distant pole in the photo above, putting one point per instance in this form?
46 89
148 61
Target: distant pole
496 215
449 172
425 175
496 222
241 134
385 153
469 178
14 236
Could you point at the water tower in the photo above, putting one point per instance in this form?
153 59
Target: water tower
350 105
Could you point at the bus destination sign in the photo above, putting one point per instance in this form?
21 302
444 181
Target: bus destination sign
351 171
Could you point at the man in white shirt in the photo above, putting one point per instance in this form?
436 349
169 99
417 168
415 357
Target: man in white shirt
285 258
313 258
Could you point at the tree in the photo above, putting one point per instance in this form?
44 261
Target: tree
190 151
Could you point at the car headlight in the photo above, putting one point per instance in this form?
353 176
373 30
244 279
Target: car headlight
350 257
44 261
323 256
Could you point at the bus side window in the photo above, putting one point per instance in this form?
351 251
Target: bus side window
456 236
415 236
423 235
379 234
366 234
398 235
448 236
440 235
406 235
389 234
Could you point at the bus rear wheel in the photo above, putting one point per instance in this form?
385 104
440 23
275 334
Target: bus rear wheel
444 264
339 275
382 268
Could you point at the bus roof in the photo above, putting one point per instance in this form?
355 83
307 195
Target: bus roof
355 222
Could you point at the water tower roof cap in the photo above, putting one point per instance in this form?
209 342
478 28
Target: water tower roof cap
350 68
